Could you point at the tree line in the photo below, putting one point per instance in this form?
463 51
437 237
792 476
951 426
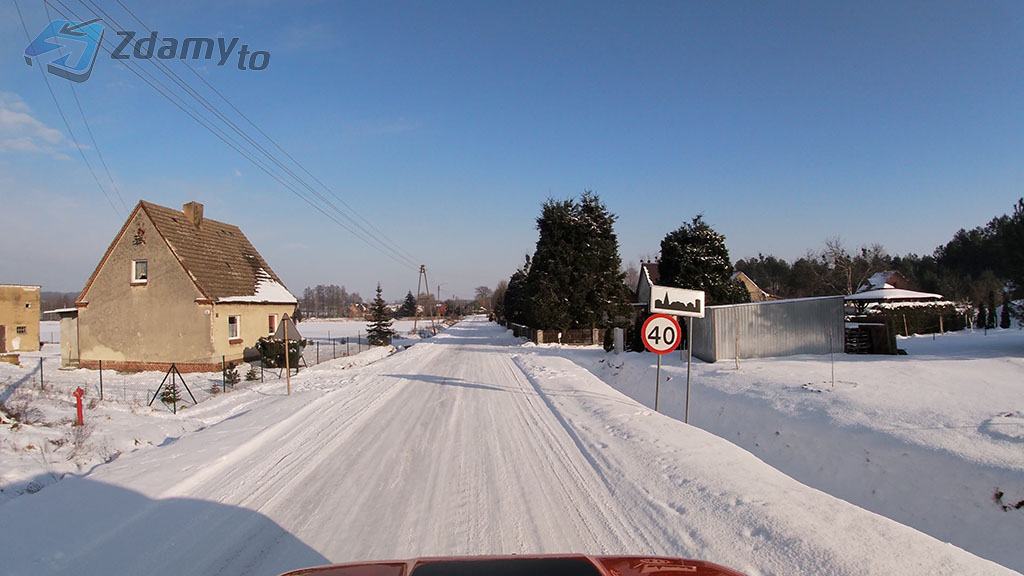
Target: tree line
978 266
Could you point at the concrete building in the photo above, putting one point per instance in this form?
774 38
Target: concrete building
175 287
19 318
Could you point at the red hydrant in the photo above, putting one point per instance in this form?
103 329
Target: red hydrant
78 396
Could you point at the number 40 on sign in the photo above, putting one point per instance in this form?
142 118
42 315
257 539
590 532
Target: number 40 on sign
661 333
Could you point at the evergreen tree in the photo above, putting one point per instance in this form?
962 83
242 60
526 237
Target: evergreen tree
1004 317
575 278
982 317
378 330
171 394
990 321
515 295
695 257
408 306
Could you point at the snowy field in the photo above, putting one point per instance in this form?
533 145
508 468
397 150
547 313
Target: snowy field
44 446
926 439
466 443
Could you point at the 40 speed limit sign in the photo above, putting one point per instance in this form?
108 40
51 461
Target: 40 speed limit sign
661 333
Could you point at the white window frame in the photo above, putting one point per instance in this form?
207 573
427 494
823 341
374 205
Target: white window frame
275 319
238 327
135 272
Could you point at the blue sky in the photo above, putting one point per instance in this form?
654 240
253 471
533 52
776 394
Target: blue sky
446 125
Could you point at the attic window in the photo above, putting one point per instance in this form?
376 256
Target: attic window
140 271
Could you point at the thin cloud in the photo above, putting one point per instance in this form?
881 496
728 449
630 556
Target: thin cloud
21 132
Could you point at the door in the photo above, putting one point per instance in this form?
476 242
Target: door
3 338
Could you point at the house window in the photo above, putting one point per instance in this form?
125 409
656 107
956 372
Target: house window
28 304
233 332
20 330
140 271
272 322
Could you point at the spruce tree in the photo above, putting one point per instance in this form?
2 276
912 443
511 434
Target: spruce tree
408 306
378 330
171 394
990 321
982 316
574 279
695 257
1004 317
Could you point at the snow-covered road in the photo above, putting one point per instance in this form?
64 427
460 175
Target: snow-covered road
465 444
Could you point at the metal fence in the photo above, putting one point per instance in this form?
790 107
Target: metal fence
767 329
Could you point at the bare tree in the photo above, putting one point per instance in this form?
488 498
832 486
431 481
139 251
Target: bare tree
632 275
845 273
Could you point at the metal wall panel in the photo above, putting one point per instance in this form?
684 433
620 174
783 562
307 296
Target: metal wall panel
768 329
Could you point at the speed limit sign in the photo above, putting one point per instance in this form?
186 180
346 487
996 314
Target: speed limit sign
661 333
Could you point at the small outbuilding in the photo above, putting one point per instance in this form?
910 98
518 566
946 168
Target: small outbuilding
19 318
771 328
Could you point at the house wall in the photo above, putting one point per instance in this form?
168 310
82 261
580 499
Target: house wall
19 306
769 329
69 340
127 325
253 325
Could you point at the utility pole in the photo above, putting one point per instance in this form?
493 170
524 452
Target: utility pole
422 281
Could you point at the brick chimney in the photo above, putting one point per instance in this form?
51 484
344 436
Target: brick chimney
194 212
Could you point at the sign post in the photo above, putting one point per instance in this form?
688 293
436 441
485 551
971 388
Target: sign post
666 301
660 334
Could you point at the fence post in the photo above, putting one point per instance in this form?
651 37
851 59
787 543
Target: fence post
359 342
261 370
41 374
101 379
334 350
317 351
223 373
347 341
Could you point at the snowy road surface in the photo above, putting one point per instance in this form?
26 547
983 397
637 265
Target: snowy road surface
464 444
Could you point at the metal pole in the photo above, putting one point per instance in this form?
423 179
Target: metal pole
346 346
287 358
832 354
40 373
334 350
261 370
317 351
657 385
101 379
689 356
223 373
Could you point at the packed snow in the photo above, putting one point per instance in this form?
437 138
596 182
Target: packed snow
927 439
466 443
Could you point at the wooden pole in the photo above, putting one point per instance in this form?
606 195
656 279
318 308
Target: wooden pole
287 357
906 331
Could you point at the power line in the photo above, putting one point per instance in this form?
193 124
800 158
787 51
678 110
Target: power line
196 115
89 128
269 138
387 248
60 111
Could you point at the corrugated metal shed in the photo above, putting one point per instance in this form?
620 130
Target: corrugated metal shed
767 329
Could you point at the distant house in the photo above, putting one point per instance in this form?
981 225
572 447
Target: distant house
19 318
174 287
650 274
885 280
756 294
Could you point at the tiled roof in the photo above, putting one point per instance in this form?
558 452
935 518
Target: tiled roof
218 256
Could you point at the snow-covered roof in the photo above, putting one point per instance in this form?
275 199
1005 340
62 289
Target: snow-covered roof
267 290
61 311
893 294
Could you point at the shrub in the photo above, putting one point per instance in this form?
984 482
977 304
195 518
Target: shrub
252 374
272 351
231 375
